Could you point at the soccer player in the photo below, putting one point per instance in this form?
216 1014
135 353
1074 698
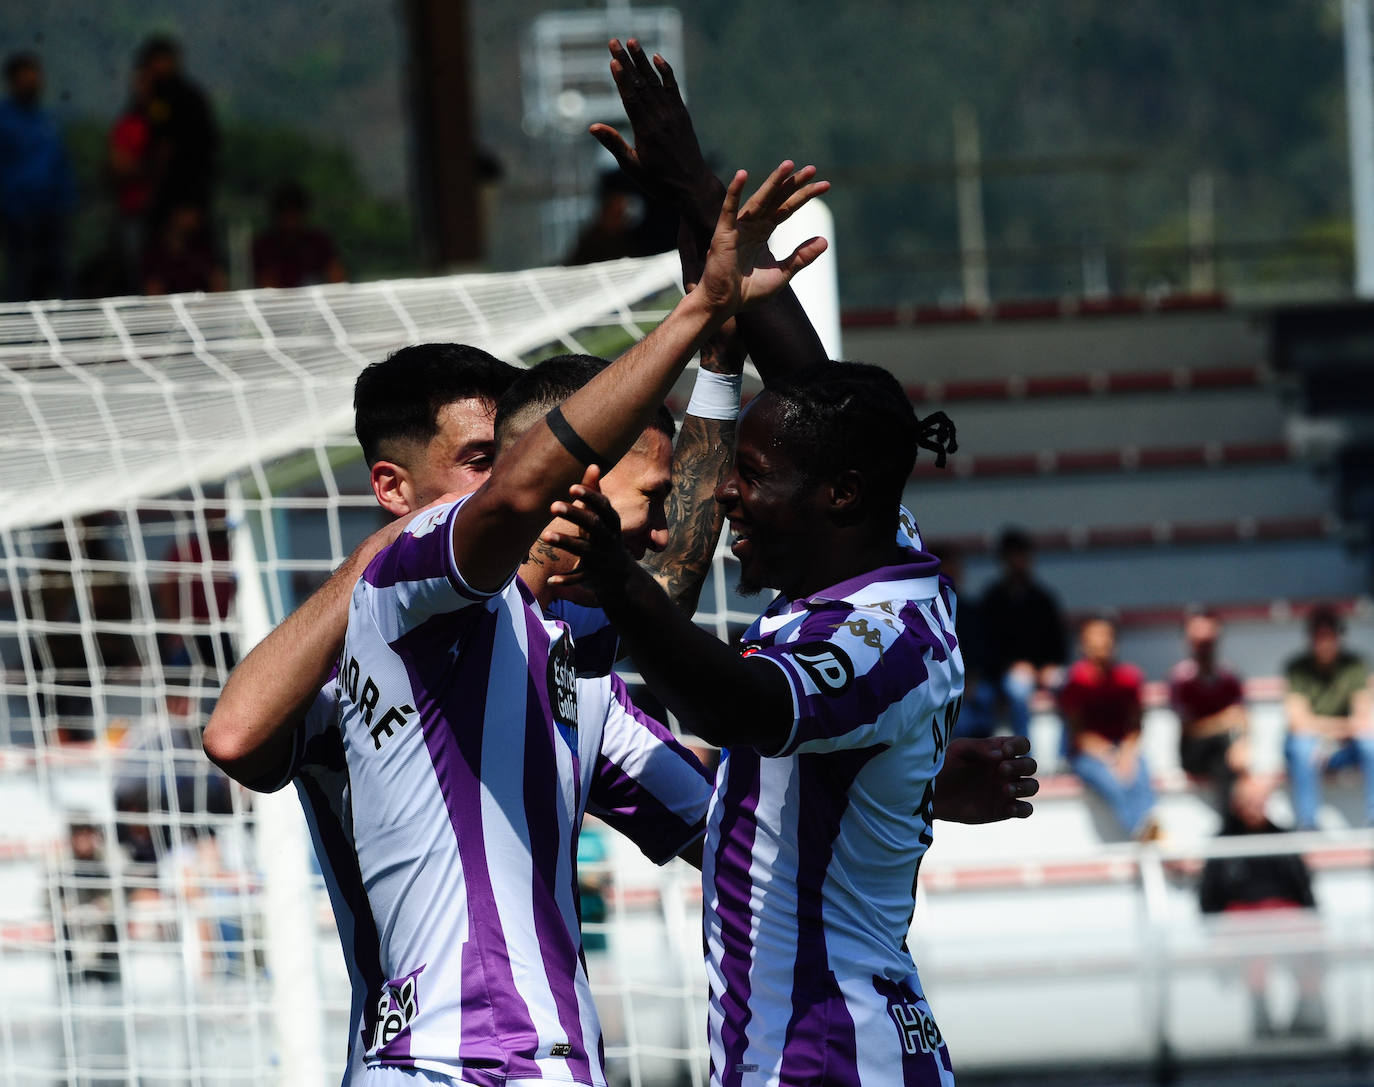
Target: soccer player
438 812
834 716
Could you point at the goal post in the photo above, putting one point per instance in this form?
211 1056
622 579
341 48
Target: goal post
175 474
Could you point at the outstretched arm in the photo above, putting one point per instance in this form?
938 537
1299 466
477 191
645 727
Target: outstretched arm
666 161
496 527
250 734
671 652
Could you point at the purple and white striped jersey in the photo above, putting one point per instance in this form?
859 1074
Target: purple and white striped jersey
445 795
812 851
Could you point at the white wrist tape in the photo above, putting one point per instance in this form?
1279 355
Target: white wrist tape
715 396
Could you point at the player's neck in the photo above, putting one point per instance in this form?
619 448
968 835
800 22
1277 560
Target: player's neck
846 556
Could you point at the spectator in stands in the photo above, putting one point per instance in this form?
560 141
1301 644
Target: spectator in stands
36 191
129 171
86 901
1256 885
619 230
180 256
1101 705
291 252
182 596
978 713
183 137
1210 702
1330 724
1023 631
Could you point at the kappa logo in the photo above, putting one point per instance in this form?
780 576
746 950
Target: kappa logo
828 665
428 523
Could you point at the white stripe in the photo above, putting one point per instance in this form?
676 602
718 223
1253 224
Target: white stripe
505 833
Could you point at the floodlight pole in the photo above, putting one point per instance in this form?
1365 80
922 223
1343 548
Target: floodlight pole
1359 101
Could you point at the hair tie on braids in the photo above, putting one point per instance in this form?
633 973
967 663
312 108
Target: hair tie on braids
937 434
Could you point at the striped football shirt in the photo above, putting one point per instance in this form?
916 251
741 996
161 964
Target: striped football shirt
445 793
812 850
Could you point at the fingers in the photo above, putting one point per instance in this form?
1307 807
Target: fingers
1023 766
803 256
1021 787
777 186
1012 746
729 209
643 68
665 71
1019 809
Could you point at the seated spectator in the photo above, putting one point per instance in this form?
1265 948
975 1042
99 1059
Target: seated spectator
86 901
180 257
1210 702
1023 631
1100 702
1251 885
291 252
1330 724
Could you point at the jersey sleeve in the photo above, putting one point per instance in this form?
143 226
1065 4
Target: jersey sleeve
416 577
322 715
846 668
646 784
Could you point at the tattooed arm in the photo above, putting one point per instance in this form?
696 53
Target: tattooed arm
701 459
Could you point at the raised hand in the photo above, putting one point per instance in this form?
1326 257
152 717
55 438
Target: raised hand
986 781
739 269
666 160
602 560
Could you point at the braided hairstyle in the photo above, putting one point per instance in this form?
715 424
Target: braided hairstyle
838 415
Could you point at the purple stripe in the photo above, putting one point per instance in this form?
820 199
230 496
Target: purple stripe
734 891
899 671
630 806
920 565
413 558
919 1069
338 859
553 867
496 1025
820 1044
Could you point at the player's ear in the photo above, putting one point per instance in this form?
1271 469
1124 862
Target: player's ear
391 484
846 494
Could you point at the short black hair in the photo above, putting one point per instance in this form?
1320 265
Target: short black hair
1325 617
155 46
1015 541
399 398
18 62
546 385
850 415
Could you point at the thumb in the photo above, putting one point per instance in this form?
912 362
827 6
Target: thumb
591 478
615 143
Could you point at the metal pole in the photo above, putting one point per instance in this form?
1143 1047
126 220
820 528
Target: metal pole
969 193
1359 100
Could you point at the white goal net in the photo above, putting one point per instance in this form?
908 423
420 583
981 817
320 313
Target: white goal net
175 475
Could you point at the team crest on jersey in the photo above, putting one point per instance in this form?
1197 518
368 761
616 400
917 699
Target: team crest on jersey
397 1007
562 684
827 664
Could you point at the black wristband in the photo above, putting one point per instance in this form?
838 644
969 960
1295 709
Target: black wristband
571 440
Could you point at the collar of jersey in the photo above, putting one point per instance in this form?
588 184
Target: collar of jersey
915 580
